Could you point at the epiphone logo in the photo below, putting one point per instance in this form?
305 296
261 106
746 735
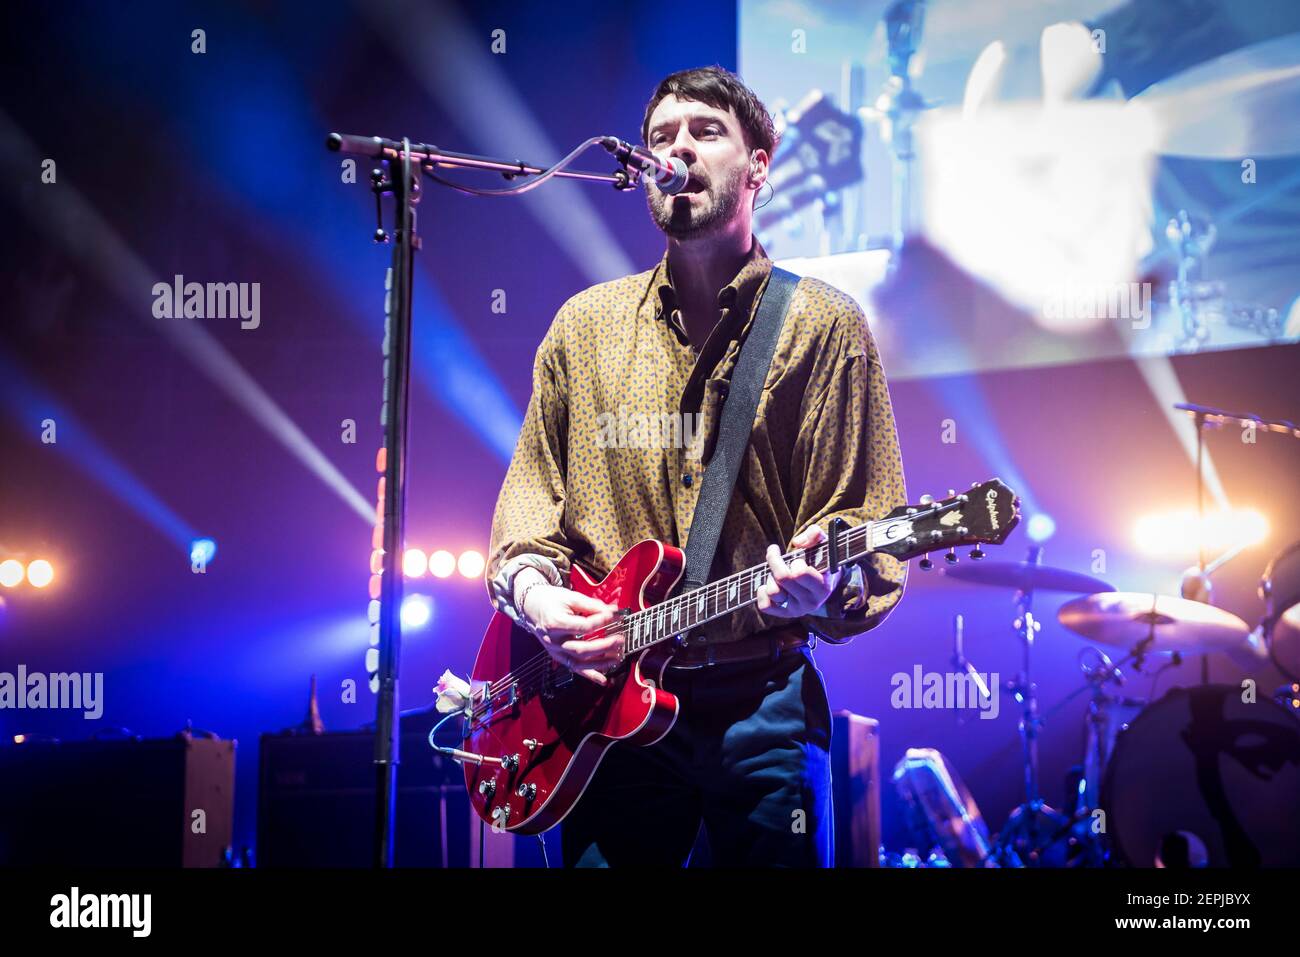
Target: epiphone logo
991 499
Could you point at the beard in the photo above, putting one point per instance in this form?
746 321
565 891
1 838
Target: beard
687 219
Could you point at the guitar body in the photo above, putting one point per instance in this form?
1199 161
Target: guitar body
559 724
536 732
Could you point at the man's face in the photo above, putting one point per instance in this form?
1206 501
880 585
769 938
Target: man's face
712 145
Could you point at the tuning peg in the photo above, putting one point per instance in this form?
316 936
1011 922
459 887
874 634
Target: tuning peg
951 556
927 499
952 493
976 553
925 564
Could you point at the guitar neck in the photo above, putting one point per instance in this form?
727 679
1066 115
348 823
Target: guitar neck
717 599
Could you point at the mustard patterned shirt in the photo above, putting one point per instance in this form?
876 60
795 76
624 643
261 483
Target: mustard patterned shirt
624 415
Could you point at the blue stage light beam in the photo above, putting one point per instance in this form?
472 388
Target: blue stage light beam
1160 377
29 405
266 103
72 223
978 424
202 551
456 68
1040 527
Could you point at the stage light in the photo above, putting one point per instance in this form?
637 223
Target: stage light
1041 527
1180 534
11 572
415 563
442 563
470 563
202 551
40 573
416 611
104 251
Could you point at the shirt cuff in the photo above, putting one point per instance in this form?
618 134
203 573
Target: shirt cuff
502 587
849 596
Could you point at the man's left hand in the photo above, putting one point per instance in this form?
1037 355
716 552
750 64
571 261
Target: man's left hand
796 589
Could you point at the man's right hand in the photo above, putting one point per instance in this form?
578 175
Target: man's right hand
557 614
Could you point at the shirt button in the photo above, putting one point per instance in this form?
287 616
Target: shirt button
688 479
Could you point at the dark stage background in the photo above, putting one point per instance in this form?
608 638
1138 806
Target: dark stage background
213 166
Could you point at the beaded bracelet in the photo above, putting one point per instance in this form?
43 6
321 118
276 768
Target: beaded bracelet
523 597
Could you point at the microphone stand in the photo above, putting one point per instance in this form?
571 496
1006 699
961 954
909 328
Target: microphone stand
1205 416
404 161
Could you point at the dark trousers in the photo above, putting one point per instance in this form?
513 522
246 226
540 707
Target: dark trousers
749 756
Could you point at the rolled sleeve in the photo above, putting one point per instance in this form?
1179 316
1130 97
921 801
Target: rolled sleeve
849 457
528 523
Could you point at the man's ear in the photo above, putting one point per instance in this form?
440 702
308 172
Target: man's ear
758 166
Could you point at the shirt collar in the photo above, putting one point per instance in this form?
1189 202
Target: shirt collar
738 293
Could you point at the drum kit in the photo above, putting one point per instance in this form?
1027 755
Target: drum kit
1204 776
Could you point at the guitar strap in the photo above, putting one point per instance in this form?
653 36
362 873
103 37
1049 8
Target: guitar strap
737 422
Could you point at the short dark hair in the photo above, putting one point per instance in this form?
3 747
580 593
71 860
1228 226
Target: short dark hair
723 90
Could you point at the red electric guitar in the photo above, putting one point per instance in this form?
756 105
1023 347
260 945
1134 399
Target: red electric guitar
536 731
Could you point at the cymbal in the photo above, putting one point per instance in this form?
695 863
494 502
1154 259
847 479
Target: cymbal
1229 107
1023 576
1123 619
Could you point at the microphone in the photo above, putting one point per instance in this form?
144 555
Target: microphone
669 175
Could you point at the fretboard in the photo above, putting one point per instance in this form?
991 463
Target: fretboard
680 614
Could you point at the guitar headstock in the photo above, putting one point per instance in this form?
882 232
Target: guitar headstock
984 514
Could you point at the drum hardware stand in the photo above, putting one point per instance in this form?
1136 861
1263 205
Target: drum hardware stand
1093 847
1097 749
963 664
1022 839
405 163
1196 582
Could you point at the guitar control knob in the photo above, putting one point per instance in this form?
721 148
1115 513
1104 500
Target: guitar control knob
527 791
510 762
487 787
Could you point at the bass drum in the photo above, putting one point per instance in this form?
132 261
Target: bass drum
1280 589
1202 778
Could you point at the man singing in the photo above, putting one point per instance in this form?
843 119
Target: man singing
749 755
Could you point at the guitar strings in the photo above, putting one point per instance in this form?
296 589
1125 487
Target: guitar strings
713 590
538 665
